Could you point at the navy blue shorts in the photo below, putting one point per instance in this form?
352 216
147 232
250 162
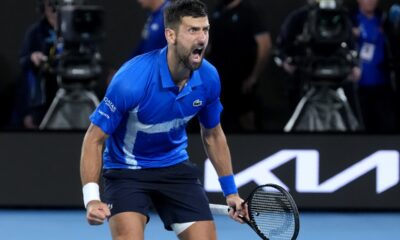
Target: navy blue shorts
175 192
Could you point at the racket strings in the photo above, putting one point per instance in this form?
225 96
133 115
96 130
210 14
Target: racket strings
272 213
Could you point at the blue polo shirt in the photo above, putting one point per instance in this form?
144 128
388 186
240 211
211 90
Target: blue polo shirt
145 114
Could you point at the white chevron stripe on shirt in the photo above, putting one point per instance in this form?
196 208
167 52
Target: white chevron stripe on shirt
134 126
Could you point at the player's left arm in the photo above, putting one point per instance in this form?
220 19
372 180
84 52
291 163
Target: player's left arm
216 147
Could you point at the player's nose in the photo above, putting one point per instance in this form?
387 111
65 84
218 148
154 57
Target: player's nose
202 37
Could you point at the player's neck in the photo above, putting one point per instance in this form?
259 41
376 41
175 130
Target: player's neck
180 74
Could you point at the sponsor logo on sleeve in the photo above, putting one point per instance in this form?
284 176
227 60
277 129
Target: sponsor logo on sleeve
104 114
110 104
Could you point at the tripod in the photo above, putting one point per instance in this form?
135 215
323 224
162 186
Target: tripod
71 108
323 108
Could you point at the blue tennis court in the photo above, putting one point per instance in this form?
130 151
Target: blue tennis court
71 224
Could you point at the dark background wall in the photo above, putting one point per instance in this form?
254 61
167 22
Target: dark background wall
123 24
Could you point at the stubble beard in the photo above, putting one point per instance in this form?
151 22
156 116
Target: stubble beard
184 57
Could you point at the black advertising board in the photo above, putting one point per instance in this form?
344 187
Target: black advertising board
321 171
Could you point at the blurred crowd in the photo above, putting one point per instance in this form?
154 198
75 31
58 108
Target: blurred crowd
344 82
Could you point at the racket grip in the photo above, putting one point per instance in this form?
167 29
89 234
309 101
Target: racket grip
219 209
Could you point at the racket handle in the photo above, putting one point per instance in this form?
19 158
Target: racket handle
219 209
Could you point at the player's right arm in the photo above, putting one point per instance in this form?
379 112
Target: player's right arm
90 168
123 94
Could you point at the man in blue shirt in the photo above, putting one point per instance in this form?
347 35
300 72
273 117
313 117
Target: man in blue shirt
153 31
375 90
142 121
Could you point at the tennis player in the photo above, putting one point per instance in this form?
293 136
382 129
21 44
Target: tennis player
141 121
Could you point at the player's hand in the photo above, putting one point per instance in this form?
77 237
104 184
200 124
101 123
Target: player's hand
238 210
97 212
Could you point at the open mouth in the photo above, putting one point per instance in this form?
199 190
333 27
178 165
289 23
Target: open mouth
197 54
198 51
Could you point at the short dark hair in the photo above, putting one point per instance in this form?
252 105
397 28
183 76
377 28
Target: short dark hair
178 9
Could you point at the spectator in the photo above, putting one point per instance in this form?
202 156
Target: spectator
153 32
240 45
38 86
375 87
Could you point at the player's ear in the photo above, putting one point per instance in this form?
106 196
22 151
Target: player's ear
170 35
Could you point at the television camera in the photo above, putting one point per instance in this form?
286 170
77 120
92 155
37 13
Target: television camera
324 59
325 47
77 64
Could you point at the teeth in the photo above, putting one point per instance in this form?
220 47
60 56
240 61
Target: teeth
198 50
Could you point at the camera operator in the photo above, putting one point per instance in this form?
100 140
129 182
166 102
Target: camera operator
376 91
316 47
38 86
77 65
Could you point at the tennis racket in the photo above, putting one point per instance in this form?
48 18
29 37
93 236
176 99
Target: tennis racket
272 211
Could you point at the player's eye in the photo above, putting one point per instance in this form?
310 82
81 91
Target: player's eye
193 30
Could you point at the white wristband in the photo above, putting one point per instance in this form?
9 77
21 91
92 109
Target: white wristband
90 192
